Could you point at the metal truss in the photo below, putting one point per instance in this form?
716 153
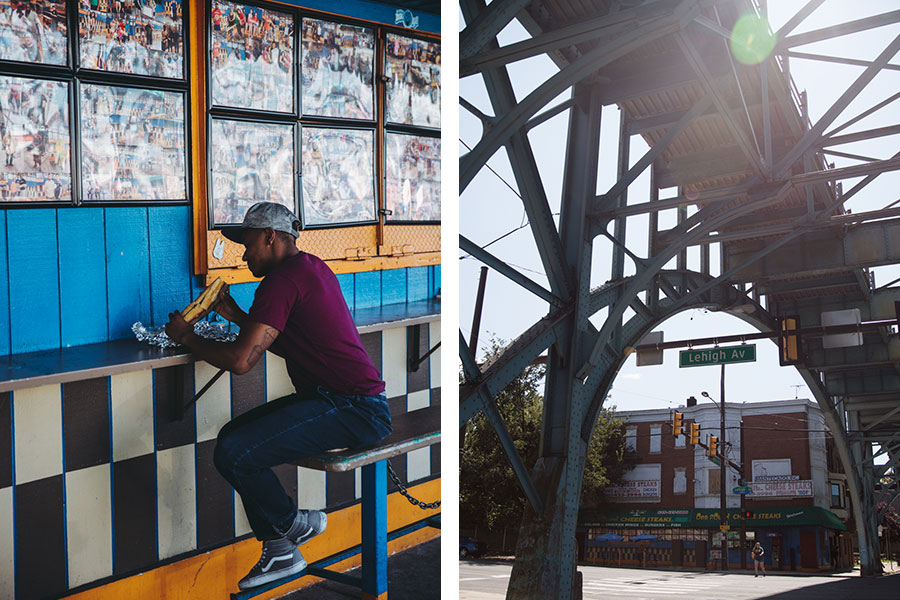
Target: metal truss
740 146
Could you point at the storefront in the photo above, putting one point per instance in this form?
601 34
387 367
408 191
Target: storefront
797 538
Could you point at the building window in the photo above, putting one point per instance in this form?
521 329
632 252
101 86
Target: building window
836 497
679 483
714 476
656 438
681 440
104 124
631 439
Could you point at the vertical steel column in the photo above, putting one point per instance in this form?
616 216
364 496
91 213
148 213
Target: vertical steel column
653 226
545 554
862 495
374 531
618 260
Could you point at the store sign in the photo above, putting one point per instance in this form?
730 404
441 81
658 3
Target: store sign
776 478
638 490
709 517
781 489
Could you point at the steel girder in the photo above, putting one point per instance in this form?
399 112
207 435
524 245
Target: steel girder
582 362
578 70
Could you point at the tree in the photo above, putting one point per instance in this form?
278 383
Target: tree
490 496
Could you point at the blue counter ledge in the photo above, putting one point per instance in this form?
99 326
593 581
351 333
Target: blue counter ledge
103 359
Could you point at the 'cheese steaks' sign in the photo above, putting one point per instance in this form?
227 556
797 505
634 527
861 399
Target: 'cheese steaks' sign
717 356
640 490
776 489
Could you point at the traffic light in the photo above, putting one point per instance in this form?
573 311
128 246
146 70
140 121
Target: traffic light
788 343
712 446
695 434
677 423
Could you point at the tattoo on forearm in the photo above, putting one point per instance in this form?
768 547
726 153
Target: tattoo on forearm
268 337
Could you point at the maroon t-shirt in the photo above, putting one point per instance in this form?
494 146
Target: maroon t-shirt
302 299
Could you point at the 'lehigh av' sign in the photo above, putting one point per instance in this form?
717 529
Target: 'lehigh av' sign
717 356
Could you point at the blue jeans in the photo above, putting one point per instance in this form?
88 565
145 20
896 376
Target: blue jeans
287 429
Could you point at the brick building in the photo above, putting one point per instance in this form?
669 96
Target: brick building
667 511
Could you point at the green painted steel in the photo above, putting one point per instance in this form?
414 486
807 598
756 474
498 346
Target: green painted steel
717 356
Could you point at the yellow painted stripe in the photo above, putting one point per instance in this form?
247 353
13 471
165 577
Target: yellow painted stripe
381 263
214 575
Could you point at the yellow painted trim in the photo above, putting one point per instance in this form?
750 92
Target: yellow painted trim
378 263
214 574
197 60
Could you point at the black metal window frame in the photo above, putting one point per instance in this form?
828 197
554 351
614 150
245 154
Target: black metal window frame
74 75
378 125
402 128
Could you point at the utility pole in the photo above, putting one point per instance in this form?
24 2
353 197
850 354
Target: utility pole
723 518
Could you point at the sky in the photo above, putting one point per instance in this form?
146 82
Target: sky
489 208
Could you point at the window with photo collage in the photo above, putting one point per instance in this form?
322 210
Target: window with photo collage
313 80
106 124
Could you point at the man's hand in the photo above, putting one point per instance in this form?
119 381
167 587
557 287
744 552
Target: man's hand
228 308
177 328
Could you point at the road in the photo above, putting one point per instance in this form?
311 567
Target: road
481 580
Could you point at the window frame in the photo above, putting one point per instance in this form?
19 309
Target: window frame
839 495
655 439
75 75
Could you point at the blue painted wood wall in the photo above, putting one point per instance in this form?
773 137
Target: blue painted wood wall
73 276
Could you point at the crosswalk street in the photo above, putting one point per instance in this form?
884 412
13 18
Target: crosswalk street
675 587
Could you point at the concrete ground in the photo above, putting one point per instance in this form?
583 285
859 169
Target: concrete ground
414 574
488 580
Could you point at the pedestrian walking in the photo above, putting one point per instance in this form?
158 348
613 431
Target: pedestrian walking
758 553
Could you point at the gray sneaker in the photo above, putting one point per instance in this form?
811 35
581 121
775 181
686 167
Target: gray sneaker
275 563
307 525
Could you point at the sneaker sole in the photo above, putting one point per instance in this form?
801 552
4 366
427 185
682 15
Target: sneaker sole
271 576
313 533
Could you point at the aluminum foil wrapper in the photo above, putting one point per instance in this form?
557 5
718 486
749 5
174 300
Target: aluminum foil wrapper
205 329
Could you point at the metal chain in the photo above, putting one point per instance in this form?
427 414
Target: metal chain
406 494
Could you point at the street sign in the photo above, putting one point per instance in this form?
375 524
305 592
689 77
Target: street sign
725 527
717 356
713 459
743 489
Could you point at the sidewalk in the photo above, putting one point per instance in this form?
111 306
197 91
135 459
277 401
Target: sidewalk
414 574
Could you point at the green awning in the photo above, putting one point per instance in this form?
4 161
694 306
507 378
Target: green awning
777 516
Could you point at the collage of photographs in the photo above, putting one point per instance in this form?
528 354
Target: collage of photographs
143 37
251 58
132 144
250 162
35 139
33 32
338 70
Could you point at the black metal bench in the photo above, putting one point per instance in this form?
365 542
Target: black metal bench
412 430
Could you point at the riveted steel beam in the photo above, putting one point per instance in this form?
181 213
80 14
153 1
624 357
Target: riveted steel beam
466 245
849 27
601 29
470 368
578 70
815 132
527 176
484 27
